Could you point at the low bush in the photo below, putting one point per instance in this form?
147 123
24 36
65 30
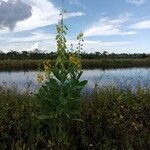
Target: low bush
111 118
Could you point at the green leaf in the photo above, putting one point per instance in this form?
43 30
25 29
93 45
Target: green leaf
56 74
79 75
83 83
43 117
68 116
53 82
80 120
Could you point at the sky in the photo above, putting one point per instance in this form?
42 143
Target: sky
116 26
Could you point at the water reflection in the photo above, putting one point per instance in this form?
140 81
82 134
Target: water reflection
119 77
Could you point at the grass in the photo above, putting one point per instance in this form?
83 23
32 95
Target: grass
20 65
10 65
111 118
115 63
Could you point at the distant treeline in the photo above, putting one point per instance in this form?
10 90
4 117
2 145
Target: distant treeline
37 55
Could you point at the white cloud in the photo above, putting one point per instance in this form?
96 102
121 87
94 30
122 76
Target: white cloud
105 45
136 2
73 14
13 11
47 42
141 25
77 3
35 46
44 13
38 39
32 37
107 26
96 45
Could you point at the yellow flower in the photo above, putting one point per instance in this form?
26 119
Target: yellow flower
40 78
47 66
75 61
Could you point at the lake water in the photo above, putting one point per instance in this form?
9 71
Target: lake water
118 77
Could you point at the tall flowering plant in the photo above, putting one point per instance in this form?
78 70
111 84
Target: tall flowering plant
60 92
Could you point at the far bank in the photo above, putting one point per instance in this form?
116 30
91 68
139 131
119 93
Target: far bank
13 65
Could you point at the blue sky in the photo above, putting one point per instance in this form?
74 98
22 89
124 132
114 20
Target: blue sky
120 26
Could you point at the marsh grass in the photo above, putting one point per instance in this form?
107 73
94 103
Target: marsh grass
111 118
17 119
10 65
115 63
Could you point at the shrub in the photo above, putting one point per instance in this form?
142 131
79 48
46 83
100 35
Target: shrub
59 95
18 123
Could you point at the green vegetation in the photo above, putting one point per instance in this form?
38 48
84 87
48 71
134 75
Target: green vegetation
115 63
58 117
59 96
110 118
12 65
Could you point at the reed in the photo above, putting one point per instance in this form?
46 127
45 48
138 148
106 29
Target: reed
111 118
115 63
11 65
